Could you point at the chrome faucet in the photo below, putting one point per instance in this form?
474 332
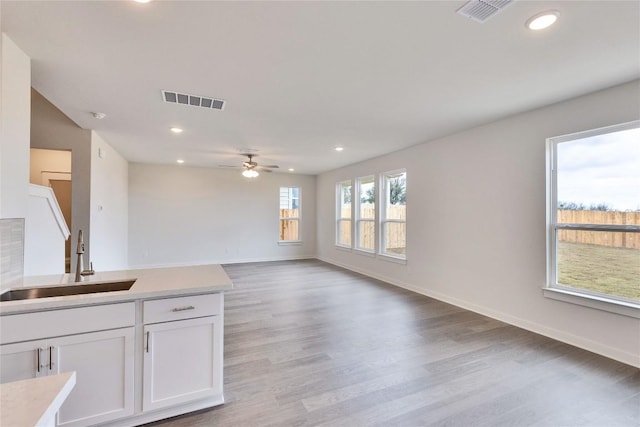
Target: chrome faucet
79 252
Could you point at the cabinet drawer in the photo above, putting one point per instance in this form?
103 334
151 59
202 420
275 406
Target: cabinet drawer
165 310
57 323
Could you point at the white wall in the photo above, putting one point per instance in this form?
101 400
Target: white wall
14 130
180 215
109 206
476 222
15 110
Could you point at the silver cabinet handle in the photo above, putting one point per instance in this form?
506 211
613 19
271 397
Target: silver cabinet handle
188 307
39 364
50 358
147 342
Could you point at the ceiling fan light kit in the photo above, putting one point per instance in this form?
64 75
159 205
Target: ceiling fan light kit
250 173
251 168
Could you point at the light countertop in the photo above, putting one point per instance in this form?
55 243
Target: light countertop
34 402
149 283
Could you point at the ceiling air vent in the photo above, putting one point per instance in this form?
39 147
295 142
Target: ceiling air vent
193 100
481 10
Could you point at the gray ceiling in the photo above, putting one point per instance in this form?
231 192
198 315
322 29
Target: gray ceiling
300 78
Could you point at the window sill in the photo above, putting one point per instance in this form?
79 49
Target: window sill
365 253
289 242
392 258
599 303
344 248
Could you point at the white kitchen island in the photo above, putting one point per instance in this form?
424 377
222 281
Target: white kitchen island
143 354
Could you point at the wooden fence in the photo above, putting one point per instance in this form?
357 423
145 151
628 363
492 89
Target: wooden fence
396 234
289 228
601 238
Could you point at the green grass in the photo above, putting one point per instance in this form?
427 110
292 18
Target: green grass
611 271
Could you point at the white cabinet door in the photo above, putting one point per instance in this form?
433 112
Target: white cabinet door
103 362
182 362
23 361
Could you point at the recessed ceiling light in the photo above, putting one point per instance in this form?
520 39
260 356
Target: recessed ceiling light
176 130
99 116
542 20
339 148
180 161
142 1
291 169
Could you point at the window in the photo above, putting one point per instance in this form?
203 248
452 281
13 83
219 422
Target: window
343 214
594 214
390 223
289 214
366 214
393 223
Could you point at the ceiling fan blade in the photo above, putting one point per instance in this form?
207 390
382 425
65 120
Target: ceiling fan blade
271 166
263 169
229 166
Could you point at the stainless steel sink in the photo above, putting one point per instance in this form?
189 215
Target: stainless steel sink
61 291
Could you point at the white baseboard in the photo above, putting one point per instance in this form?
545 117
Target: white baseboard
556 334
221 261
289 258
173 411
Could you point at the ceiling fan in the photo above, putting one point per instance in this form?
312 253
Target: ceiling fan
250 168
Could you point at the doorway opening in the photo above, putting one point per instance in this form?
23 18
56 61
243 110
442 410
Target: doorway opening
52 168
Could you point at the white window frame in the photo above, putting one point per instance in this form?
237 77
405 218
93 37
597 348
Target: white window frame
359 220
339 217
382 244
553 289
291 218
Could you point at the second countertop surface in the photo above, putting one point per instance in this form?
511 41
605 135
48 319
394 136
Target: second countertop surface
34 402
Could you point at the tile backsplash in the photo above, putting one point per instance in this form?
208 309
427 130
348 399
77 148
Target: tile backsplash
11 252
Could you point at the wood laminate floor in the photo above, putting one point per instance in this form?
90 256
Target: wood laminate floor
308 343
